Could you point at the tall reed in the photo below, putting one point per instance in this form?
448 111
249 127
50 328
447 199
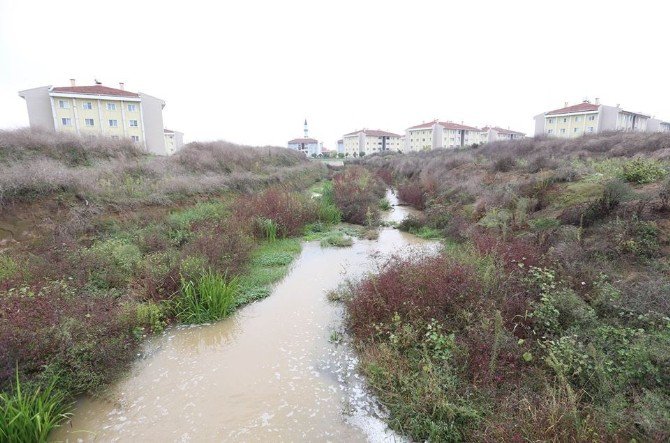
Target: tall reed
28 415
210 298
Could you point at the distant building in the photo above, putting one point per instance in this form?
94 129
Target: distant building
494 134
437 134
656 125
174 141
340 146
99 110
589 118
306 145
369 141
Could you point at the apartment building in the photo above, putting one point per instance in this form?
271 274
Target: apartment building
174 140
494 133
437 134
589 118
656 125
99 110
369 141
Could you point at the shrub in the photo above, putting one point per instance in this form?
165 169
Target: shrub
410 192
111 263
410 223
641 170
503 164
224 244
434 287
664 194
289 211
212 297
356 192
8 268
28 414
384 204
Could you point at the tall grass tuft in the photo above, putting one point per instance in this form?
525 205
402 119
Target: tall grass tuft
210 298
268 227
28 415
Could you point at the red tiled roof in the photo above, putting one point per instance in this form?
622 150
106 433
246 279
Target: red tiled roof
94 90
303 140
582 107
445 125
374 133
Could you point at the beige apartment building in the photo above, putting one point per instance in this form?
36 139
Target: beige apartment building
494 133
99 110
370 141
592 118
437 134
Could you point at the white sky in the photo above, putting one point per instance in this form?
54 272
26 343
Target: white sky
251 71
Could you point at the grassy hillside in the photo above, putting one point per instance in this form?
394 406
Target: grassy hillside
102 245
547 317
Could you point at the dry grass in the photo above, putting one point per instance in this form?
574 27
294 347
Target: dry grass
37 163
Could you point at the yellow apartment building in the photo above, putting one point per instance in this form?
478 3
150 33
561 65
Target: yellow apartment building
370 141
99 110
591 118
437 134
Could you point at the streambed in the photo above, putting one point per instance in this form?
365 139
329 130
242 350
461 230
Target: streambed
270 372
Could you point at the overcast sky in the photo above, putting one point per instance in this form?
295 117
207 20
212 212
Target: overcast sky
252 71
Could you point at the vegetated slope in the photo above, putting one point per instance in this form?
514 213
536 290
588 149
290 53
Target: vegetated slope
36 163
548 315
107 245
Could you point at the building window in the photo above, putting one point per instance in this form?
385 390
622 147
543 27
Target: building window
565 120
87 105
111 106
135 138
576 130
132 108
576 118
551 131
89 122
592 117
563 131
133 123
66 121
114 123
590 129
63 104
550 121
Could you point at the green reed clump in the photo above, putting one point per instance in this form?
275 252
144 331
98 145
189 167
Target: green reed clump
269 228
28 415
211 297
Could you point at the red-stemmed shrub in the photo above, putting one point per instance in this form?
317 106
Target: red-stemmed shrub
224 244
356 193
410 192
431 287
290 211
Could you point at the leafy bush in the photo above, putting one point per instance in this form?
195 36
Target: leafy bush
224 244
111 263
210 298
28 414
641 170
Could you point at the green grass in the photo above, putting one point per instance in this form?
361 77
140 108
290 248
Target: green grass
384 204
426 232
337 239
8 268
268 264
28 415
578 192
201 211
211 297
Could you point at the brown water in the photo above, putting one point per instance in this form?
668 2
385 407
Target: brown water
267 373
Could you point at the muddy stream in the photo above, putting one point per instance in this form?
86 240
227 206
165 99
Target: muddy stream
270 372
